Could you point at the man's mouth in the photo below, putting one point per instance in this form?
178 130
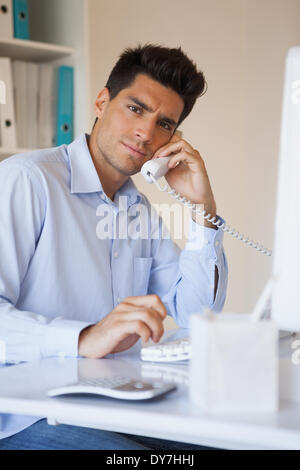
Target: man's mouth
134 150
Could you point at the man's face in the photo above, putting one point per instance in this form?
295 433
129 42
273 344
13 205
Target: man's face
136 123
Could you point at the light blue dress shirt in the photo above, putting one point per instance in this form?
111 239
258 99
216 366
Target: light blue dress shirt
57 275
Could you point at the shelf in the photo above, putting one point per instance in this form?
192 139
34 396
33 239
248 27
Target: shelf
8 152
20 49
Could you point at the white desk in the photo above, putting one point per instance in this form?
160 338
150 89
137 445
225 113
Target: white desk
23 391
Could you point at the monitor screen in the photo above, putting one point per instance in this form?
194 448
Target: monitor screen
285 309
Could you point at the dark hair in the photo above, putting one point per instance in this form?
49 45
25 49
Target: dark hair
170 67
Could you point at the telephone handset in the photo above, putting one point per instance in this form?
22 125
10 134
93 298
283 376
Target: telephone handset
154 169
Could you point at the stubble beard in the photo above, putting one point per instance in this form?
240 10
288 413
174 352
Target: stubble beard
112 161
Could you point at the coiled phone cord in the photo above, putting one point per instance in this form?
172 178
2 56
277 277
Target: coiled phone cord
226 228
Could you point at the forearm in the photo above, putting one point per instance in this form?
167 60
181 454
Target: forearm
203 277
209 208
27 336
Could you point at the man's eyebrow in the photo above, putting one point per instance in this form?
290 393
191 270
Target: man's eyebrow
150 110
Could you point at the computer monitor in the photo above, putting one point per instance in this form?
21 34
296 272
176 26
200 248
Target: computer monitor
285 304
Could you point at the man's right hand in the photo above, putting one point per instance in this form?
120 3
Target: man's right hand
134 318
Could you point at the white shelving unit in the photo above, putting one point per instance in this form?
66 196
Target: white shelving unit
58 34
35 51
7 152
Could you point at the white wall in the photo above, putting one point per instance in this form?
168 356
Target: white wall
240 45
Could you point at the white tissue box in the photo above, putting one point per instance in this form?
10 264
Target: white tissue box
234 363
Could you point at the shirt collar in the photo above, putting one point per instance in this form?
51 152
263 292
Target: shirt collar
84 177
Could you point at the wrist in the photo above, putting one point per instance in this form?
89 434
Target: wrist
82 340
209 209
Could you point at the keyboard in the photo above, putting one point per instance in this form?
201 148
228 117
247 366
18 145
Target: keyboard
179 349
125 388
169 351
174 372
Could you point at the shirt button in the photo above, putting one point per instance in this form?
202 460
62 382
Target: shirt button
103 197
116 254
118 300
217 243
206 242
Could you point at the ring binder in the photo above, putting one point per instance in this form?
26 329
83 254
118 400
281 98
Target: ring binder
21 23
2 92
65 105
7 117
6 19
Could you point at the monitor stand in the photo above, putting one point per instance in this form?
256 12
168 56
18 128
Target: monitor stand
288 350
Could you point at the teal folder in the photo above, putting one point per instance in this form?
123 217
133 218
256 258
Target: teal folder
65 105
21 20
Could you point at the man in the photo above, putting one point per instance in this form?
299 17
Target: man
66 290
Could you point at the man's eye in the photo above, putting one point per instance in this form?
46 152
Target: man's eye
165 125
134 109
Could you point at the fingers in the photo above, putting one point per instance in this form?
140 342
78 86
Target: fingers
151 319
149 301
183 157
134 327
136 316
144 313
174 146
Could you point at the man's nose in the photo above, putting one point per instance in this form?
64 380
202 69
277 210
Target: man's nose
145 131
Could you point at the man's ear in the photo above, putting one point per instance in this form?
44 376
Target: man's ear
101 102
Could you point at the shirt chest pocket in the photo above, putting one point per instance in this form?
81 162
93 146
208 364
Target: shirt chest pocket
141 275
